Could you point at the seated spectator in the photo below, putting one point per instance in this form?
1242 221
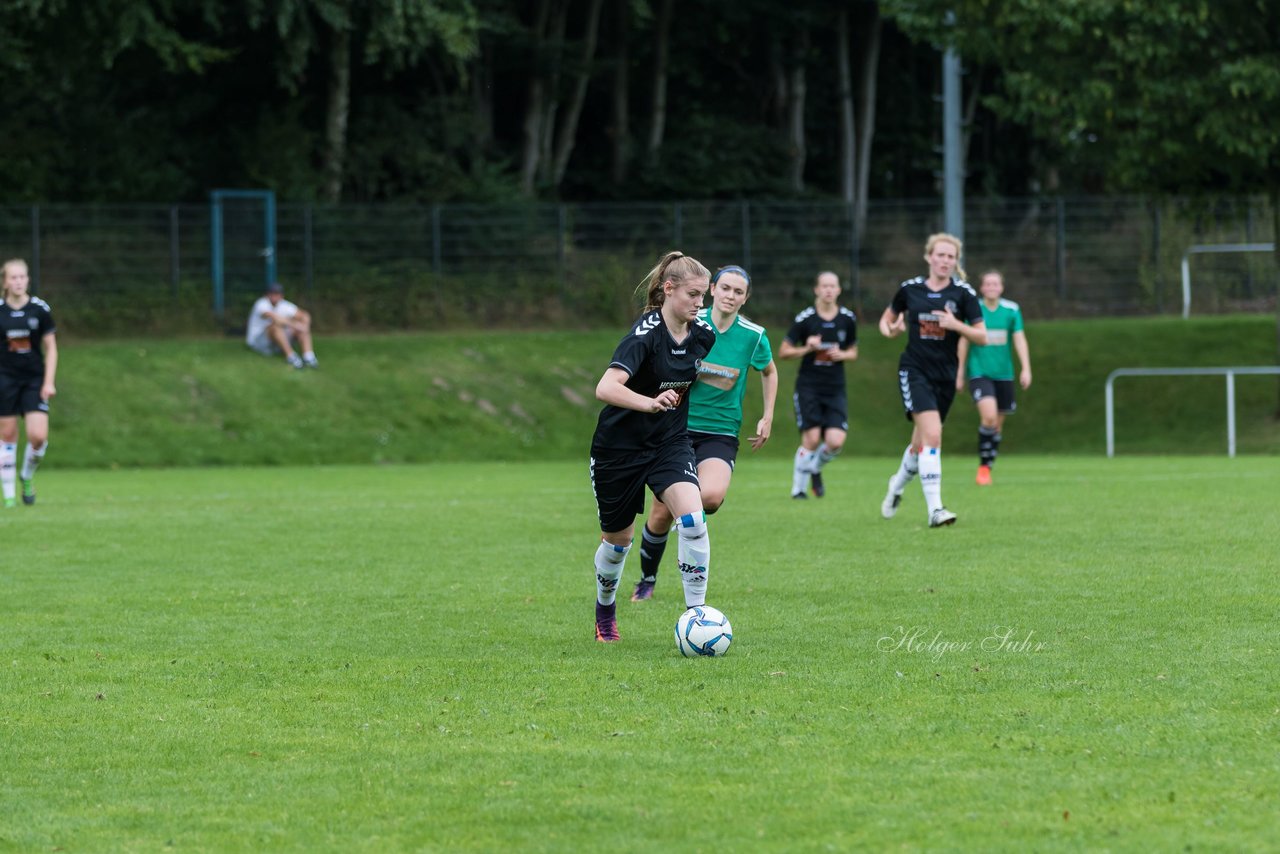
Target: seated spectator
278 326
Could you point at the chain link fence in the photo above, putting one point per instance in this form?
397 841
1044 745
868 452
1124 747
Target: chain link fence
146 269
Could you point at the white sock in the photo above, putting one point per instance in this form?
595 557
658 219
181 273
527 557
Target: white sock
822 456
695 557
31 460
801 471
609 561
931 477
8 461
907 470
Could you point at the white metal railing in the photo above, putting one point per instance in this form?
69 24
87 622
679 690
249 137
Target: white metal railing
1209 248
1229 373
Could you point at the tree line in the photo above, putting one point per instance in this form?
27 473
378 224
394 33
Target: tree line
489 100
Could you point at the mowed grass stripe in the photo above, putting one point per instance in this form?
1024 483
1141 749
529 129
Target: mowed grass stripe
400 657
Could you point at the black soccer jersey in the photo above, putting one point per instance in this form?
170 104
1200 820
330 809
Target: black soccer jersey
816 372
656 363
930 348
24 330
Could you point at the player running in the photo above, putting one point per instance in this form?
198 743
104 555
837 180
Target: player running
715 410
990 369
824 336
933 311
28 364
642 435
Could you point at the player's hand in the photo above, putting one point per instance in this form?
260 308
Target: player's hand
47 391
763 427
666 401
947 320
960 382
1025 378
813 342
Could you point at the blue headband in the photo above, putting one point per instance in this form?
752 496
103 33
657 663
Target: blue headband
732 268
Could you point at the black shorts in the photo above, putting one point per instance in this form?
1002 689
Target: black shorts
714 446
820 409
1001 390
20 395
619 481
921 393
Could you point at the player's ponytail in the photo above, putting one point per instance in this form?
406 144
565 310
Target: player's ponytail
675 267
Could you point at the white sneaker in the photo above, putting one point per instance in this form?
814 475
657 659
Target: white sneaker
892 499
941 516
295 361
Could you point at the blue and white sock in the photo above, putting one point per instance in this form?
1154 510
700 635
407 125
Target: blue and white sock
695 557
31 460
609 561
8 464
907 471
931 477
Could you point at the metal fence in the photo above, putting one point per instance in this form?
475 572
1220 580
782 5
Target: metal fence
113 269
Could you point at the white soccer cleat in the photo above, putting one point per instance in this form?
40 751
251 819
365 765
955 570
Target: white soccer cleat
892 499
941 516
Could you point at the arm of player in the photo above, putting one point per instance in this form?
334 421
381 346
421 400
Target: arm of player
975 332
769 387
612 389
47 389
962 353
848 354
787 350
892 324
1024 357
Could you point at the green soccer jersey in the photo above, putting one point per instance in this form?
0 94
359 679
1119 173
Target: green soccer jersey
715 404
995 360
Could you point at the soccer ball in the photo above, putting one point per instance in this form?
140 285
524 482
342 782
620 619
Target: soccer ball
702 630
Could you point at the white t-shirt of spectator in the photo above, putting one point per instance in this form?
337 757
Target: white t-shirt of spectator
256 330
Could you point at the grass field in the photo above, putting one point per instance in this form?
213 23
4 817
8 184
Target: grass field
401 658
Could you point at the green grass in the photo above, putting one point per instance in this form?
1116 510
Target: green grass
530 396
400 658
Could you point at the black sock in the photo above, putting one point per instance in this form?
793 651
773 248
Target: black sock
651 548
988 439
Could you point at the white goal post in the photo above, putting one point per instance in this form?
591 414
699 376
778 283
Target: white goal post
1229 373
1209 248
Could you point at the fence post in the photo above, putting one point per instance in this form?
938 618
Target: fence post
1155 256
746 234
562 226
435 239
1062 248
855 276
34 266
308 256
175 269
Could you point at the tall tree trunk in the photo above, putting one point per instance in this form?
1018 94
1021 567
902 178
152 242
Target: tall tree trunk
620 130
559 22
568 132
661 52
796 91
848 131
535 98
868 78
481 105
338 112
